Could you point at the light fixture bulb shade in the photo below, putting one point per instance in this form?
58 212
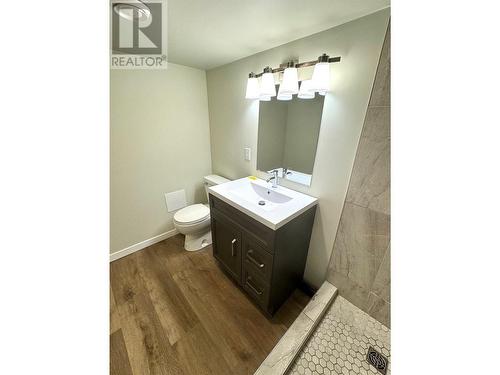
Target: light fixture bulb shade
290 84
267 86
265 98
306 91
321 78
253 91
284 96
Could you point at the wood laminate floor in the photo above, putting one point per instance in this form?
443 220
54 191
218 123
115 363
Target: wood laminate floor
176 312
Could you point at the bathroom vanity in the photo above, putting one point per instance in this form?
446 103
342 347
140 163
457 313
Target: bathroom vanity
261 237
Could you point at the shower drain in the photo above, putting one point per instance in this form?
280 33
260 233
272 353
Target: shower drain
377 360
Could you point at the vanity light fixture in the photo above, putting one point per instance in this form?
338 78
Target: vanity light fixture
320 81
268 87
265 98
306 91
253 89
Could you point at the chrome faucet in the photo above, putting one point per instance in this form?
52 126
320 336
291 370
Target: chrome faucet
274 178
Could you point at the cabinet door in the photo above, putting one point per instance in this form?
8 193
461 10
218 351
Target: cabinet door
227 246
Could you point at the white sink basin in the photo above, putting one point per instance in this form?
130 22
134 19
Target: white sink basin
264 196
273 207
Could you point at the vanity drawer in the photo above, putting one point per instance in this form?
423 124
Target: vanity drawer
256 258
255 287
262 233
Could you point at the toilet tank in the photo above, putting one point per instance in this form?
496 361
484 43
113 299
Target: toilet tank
212 180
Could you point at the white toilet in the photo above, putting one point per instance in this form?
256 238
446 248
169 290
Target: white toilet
194 221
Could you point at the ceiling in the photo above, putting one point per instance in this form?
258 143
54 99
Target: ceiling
208 33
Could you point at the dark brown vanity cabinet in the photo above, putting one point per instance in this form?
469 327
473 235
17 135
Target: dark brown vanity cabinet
268 264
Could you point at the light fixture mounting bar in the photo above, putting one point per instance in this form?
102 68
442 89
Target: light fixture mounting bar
323 58
314 62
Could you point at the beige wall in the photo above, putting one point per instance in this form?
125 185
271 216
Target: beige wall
360 263
160 142
234 120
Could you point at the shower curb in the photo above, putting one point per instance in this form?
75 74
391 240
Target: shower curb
284 353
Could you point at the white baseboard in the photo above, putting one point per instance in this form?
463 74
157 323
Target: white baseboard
141 245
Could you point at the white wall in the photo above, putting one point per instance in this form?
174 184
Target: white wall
160 142
234 120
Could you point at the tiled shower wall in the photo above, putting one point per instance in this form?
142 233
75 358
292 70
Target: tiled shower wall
360 262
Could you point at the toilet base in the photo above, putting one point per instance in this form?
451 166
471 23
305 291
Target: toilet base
197 241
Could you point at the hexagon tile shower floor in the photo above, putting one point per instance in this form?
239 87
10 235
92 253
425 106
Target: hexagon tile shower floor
341 342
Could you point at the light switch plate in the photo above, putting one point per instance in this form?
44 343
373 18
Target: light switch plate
175 200
248 153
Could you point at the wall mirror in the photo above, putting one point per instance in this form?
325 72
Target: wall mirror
288 136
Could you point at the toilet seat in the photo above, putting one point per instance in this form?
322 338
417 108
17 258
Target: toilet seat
193 214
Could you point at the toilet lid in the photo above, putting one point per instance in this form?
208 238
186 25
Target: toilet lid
192 214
